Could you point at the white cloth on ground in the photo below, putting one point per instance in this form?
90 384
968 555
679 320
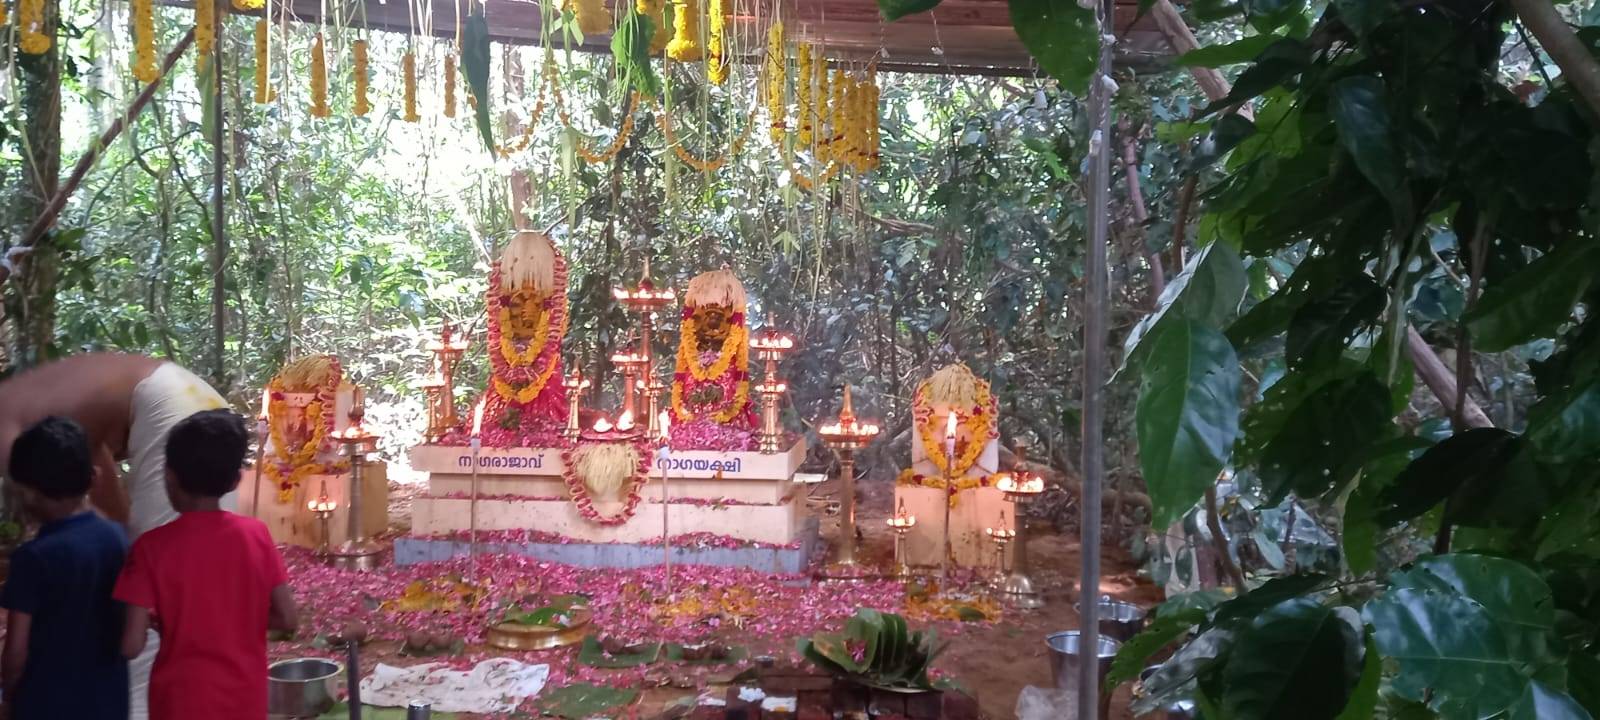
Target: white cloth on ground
492 686
160 401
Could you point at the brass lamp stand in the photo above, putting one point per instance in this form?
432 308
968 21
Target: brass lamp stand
1019 590
845 437
357 552
771 345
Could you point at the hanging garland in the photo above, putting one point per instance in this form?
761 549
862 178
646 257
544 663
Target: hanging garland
264 91
205 31
30 20
409 65
4 18
519 376
978 421
803 83
833 139
613 466
144 42
724 370
319 79
777 80
593 17
521 142
716 43
450 84
288 467
875 119
962 484
362 106
819 105
685 45
247 5
660 34
664 121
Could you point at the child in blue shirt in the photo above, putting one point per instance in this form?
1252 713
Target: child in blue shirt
62 656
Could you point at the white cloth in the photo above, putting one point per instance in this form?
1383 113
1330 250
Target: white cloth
160 401
493 686
139 677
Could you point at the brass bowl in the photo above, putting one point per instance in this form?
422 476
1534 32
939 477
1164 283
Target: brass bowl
513 636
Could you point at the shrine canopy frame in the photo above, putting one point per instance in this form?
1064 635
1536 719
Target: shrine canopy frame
959 37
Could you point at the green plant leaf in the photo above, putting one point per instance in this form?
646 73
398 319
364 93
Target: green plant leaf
1207 291
1187 416
1386 462
895 9
1536 301
1176 676
1359 114
1134 653
1062 37
1433 476
1314 451
1447 651
1565 426
1320 329
1268 15
1364 697
1542 702
1272 592
1515 598
1277 63
1361 16
1238 51
475 65
1300 658
1227 133
630 47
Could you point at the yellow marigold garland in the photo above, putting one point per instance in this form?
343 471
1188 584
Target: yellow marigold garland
525 138
656 10
593 17
450 85
205 26
803 82
528 393
246 5
875 119
508 348
319 79
685 45
264 91
930 429
832 142
819 104
362 106
594 158
30 20
964 483
3 17
776 76
734 347
741 396
409 65
703 164
144 42
302 460
716 42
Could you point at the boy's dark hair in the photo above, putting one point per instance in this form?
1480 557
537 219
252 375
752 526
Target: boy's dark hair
53 458
206 451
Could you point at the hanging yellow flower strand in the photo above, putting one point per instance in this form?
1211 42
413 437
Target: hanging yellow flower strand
803 82
656 10
319 79
144 42
593 17
409 65
264 91
3 18
685 45
777 110
359 48
30 20
716 43
205 35
450 84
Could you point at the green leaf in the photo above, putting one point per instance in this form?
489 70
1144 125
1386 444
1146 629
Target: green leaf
1176 676
1238 51
1187 416
1336 423
1279 62
1268 15
1361 16
1542 702
475 65
1272 592
1363 701
1514 597
1433 476
1448 652
1536 301
1134 653
206 82
895 9
1583 679
1320 329
1384 464
1226 134
1062 37
630 46
1565 427
1207 291
1359 114
1298 659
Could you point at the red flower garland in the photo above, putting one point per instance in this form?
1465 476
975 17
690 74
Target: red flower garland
551 401
580 491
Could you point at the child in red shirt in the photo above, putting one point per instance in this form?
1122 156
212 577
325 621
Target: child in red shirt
213 581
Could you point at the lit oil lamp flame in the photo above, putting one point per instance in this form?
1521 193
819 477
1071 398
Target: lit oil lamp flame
625 421
266 406
664 424
903 520
602 425
950 426
322 504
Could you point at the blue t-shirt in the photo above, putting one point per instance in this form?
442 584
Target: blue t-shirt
63 578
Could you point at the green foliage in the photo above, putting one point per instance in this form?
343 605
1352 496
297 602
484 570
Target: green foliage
1188 415
1299 658
475 66
1062 37
630 48
875 649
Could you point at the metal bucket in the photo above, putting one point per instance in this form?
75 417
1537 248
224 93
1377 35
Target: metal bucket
1119 620
1064 654
302 688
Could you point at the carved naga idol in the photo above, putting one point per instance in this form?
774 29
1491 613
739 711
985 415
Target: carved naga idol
527 321
711 383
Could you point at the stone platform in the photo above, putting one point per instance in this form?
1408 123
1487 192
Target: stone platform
746 496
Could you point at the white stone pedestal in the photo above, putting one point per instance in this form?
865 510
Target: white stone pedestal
293 523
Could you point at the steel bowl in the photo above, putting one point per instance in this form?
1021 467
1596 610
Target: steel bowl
303 687
1119 620
1065 655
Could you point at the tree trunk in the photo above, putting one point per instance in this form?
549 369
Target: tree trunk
33 307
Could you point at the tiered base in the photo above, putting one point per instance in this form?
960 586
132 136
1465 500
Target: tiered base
746 497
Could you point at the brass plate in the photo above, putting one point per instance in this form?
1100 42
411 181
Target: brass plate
512 636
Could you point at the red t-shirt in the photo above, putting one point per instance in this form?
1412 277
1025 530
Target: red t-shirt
207 577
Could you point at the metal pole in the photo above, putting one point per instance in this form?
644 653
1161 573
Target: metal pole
1094 358
663 456
219 236
472 513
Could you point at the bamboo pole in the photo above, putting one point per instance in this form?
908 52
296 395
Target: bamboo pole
58 201
219 223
